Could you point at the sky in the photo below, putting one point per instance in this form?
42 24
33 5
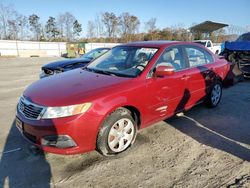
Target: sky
167 12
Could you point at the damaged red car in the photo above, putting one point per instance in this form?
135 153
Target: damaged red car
102 106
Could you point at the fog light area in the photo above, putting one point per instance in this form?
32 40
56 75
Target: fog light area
58 141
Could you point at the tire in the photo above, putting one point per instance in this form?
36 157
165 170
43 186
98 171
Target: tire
214 96
117 133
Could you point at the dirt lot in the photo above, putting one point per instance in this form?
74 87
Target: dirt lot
203 148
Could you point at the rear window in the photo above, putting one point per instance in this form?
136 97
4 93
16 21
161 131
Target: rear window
198 56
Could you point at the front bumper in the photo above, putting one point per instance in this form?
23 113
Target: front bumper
74 134
44 75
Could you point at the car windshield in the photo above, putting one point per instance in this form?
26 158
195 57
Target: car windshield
244 37
124 61
199 42
93 54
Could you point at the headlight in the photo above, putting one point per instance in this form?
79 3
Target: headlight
64 111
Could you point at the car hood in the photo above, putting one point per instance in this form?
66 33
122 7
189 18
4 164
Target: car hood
72 87
63 63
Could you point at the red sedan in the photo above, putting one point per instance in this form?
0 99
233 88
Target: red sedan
130 87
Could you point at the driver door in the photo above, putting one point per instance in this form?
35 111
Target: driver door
167 95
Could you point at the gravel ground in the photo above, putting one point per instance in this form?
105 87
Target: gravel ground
202 148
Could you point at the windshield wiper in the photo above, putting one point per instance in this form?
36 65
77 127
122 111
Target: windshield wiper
123 75
99 71
108 72
103 72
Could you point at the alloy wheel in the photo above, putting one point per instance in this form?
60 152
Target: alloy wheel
216 94
121 135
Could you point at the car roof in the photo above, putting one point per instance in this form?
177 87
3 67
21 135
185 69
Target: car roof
156 44
201 40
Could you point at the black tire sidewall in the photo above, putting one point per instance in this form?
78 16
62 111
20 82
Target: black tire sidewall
102 138
209 102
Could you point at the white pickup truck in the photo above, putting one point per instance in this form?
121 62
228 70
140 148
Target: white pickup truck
209 45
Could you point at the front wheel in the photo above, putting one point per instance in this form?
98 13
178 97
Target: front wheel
117 133
214 96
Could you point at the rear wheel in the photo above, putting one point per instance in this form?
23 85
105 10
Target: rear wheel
214 96
118 133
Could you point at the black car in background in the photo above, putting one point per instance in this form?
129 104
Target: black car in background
69 64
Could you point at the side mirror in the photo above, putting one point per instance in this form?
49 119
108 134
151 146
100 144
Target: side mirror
162 71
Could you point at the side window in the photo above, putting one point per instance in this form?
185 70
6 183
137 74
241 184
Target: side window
171 57
209 44
209 57
196 56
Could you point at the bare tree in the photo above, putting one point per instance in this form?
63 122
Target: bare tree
68 26
61 25
12 30
99 30
110 20
22 22
248 28
3 14
65 25
69 20
129 24
7 14
91 30
12 24
233 29
150 25
124 21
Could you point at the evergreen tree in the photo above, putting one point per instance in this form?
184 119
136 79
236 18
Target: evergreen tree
35 26
51 28
77 28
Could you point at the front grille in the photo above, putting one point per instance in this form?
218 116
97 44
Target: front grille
29 109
